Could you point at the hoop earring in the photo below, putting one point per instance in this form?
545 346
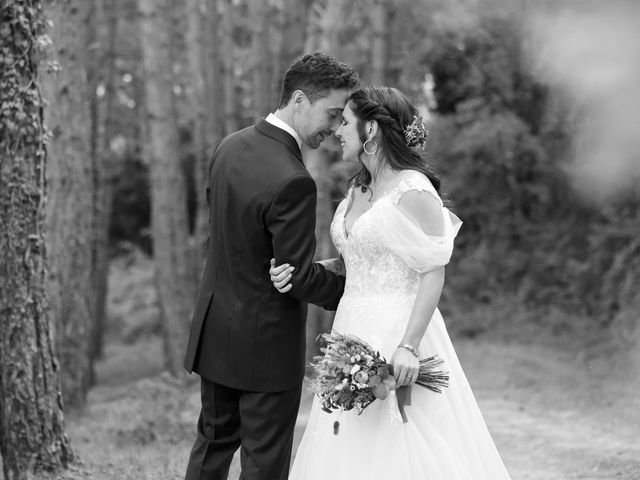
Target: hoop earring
374 149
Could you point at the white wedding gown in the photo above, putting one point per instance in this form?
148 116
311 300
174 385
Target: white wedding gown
445 437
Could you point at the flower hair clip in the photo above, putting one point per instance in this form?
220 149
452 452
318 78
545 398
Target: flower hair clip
416 134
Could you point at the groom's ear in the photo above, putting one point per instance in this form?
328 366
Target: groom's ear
298 98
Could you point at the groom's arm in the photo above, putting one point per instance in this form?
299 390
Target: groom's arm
291 220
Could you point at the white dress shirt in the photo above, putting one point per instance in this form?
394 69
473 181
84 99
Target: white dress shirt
276 122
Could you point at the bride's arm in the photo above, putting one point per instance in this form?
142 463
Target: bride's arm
405 363
424 210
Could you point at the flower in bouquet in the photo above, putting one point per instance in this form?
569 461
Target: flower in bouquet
351 374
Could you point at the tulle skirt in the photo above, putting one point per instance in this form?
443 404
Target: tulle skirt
445 437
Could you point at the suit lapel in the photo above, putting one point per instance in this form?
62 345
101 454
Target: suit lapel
280 135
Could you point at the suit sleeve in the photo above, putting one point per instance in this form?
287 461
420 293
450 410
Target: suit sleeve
291 220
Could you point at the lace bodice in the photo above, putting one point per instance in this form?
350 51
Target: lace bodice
385 251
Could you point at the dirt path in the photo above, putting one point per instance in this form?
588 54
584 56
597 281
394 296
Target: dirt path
553 416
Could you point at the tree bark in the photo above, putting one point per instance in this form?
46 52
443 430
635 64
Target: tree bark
173 278
32 435
69 211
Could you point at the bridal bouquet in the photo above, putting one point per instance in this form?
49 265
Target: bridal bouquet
351 375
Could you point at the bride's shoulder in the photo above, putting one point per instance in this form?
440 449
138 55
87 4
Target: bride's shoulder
418 200
414 180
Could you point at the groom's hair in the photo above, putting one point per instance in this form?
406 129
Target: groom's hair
315 74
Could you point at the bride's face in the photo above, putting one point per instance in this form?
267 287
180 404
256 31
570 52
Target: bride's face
347 133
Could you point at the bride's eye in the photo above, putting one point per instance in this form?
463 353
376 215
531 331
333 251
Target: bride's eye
343 122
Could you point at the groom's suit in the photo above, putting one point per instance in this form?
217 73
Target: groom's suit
247 340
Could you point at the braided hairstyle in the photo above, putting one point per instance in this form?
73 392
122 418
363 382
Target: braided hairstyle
393 112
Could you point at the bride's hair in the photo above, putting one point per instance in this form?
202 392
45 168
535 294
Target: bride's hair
315 74
393 112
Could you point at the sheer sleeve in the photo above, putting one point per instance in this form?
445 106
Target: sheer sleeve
416 226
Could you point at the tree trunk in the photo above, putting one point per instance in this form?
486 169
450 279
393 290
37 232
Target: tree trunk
194 11
211 59
32 435
198 40
103 167
69 211
260 58
380 41
173 278
211 119
227 21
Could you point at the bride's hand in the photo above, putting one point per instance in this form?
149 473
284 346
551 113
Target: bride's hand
281 276
405 367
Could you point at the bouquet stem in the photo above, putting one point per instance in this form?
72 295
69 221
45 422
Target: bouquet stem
430 377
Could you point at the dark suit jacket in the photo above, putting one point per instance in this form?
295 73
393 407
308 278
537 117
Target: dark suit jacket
262 200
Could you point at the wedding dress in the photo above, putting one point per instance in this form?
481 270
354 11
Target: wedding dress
445 436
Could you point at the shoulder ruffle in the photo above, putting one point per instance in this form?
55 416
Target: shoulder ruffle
406 239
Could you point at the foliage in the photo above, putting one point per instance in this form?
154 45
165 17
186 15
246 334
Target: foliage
500 139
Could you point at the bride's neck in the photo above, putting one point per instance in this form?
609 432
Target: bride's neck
381 175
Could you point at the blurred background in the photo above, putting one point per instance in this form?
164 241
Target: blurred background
532 110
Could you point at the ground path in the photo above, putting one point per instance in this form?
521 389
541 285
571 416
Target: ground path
553 415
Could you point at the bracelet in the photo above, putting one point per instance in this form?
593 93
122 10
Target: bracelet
411 348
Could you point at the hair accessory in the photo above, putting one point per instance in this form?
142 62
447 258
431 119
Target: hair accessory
372 149
416 134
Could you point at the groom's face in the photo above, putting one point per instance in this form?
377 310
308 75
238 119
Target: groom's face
318 119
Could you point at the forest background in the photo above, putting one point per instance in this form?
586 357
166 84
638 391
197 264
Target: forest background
109 107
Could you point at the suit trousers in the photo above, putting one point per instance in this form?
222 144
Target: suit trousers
260 423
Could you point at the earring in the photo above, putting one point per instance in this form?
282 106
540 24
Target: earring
372 149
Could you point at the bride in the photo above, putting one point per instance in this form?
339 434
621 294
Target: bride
395 237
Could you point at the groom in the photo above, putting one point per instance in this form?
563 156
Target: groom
247 341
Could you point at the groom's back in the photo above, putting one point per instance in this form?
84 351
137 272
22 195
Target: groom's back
249 334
